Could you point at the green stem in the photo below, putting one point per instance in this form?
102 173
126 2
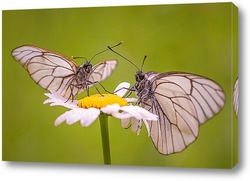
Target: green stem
105 138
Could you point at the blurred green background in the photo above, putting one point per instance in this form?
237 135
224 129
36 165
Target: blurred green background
195 38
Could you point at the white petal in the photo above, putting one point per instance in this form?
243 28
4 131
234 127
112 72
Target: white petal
110 109
136 126
125 123
74 115
147 115
139 113
56 99
85 116
122 88
132 110
122 115
89 116
131 99
54 96
70 105
70 116
147 126
61 119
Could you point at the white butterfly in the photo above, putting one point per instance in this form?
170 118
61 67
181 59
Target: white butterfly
182 102
236 97
57 73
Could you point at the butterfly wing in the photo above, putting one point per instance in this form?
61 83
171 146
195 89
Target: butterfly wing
206 95
182 101
52 71
102 70
235 97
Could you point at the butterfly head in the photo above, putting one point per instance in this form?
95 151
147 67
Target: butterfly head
139 76
87 67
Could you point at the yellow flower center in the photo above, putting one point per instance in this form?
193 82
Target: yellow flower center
99 101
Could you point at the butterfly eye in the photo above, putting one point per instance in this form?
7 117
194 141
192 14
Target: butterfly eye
87 67
139 76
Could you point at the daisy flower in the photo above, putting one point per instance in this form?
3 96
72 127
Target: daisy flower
88 109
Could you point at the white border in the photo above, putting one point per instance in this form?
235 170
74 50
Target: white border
38 171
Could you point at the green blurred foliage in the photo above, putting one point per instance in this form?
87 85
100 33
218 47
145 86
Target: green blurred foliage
195 38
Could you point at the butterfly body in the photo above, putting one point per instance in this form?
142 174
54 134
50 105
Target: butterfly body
82 75
57 73
143 87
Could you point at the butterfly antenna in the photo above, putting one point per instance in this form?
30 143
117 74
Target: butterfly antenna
77 57
143 61
123 57
107 49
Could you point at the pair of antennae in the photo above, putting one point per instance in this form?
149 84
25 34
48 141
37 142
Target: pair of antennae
76 57
110 48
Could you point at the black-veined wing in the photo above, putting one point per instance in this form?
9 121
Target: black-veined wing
56 72
206 95
236 97
182 101
52 71
102 70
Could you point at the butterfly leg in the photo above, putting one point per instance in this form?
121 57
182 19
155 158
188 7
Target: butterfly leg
130 90
72 86
78 86
87 89
128 93
145 103
121 89
104 88
94 84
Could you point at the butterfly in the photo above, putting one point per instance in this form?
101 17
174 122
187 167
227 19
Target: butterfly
235 97
182 101
57 73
